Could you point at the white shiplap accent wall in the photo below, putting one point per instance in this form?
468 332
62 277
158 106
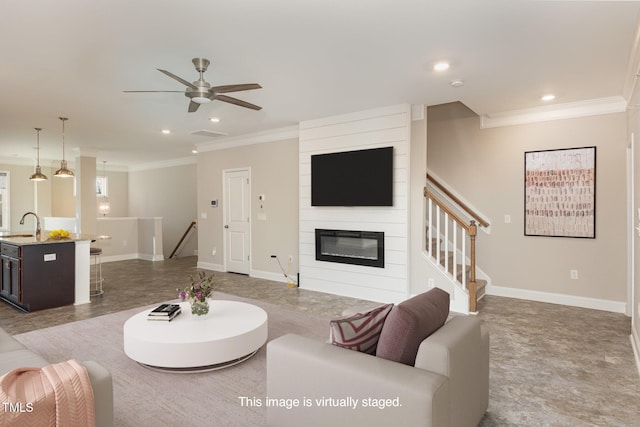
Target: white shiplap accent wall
376 128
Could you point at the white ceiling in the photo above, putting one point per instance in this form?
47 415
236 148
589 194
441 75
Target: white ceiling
314 58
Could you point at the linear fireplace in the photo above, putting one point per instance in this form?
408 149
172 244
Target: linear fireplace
350 247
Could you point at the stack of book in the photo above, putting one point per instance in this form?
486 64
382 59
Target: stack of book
166 312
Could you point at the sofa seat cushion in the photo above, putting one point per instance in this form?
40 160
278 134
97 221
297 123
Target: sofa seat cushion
409 323
360 331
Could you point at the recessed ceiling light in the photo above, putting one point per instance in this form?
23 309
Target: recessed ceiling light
548 97
215 119
441 66
457 83
166 131
194 151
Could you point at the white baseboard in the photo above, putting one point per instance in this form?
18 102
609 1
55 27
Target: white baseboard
114 258
635 344
571 300
258 274
211 266
151 257
268 275
127 257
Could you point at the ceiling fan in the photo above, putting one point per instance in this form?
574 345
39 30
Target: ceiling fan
201 92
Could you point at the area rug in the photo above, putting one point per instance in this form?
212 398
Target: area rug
144 397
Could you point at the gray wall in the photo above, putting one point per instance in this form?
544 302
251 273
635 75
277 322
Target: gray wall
487 168
55 195
118 192
170 193
274 173
22 193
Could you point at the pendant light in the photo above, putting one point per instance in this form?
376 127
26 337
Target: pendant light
63 172
103 205
38 175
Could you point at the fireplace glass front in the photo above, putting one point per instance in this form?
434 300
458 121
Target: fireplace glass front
350 247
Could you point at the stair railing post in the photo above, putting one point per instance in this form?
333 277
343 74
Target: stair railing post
473 298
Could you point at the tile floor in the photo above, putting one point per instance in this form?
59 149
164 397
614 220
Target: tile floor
551 365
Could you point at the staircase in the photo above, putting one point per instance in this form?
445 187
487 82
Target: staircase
451 240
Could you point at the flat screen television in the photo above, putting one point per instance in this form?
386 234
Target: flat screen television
353 178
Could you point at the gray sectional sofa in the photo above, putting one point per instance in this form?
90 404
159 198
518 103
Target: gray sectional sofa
444 382
15 355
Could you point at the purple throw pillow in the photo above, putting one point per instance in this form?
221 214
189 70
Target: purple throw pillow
409 323
360 331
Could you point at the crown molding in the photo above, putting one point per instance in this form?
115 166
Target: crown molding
592 107
19 161
164 164
633 68
273 135
84 152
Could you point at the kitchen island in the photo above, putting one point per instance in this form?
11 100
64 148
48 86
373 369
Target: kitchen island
43 272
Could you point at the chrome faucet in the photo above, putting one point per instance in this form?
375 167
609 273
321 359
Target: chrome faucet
37 223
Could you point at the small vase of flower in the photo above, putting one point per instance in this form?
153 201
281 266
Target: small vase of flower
198 293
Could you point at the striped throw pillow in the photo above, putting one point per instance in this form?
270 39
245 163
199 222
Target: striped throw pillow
360 331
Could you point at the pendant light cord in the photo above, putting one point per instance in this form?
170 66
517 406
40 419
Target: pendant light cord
38 146
63 120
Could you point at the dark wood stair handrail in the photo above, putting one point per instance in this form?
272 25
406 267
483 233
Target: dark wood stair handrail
458 202
184 236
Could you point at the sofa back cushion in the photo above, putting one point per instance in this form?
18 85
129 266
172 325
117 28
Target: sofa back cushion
409 323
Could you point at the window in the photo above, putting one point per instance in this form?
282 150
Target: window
101 186
4 200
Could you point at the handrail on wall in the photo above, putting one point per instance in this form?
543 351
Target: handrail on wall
184 236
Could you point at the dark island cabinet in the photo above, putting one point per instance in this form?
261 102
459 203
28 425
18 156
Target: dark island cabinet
10 257
38 276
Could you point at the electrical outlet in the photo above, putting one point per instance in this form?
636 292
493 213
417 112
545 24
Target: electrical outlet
573 274
507 219
431 282
290 259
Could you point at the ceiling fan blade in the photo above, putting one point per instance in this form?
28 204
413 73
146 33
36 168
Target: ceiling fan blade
148 91
235 88
193 106
237 101
181 80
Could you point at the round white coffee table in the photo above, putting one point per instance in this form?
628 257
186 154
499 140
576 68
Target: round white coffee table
229 334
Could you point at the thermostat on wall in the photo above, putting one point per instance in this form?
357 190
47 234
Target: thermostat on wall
214 203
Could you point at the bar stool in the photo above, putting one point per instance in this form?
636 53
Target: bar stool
96 282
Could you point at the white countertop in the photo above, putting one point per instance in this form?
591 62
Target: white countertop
22 238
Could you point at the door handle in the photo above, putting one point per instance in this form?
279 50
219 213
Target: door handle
226 226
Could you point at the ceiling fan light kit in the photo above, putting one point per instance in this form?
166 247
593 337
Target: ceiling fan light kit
201 92
63 172
200 99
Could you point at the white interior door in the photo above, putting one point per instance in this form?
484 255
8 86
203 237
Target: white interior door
236 221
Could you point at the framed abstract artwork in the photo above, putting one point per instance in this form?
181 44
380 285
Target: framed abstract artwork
560 193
